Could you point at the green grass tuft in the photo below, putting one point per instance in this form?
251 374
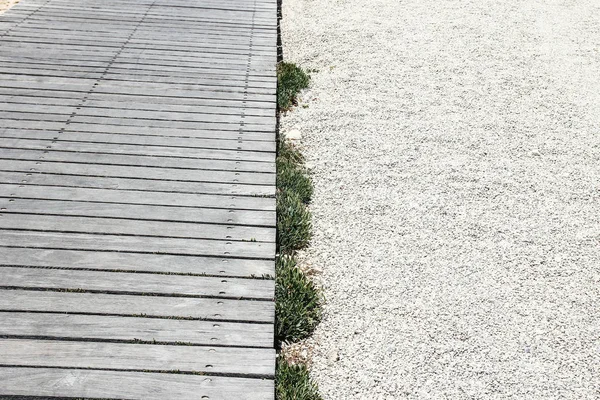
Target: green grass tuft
291 79
289 153
291 174
298 306
293 223
292 382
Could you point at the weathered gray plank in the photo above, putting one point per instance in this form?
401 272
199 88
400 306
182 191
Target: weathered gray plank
12 124
123 282
209 83
228 217
135 172
140 90
135 262
205 67
140 123
155 84
184 200
138 357
211 43
211 40
141 244
151 306
69 99
196 153
118 328
52 223
82 45
83 157
71 96
209 66
138 184
77 383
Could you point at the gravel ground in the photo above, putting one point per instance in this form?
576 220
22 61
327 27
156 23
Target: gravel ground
455 147
6 4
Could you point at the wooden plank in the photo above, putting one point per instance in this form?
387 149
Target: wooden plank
208 66
227 217
134 172
183 200
32 27
240 30
203 68
106 46
255 67
266 89
68 99
223 12
212 44
189 32
123 282
144 329
138 184
52 223
78 383
140 357
138 244
138 140
135 262
22 92
236 29
168 91
265 43
54 155
141 123
13 124
130 305
131 149
126 18
210 83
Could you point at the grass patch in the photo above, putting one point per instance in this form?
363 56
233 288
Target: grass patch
297 300
291 79
291 173
292 382
293 223
294 191
298 306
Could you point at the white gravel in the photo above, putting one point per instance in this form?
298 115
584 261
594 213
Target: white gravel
6 4
456 154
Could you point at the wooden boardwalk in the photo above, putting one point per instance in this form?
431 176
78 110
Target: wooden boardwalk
137 211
